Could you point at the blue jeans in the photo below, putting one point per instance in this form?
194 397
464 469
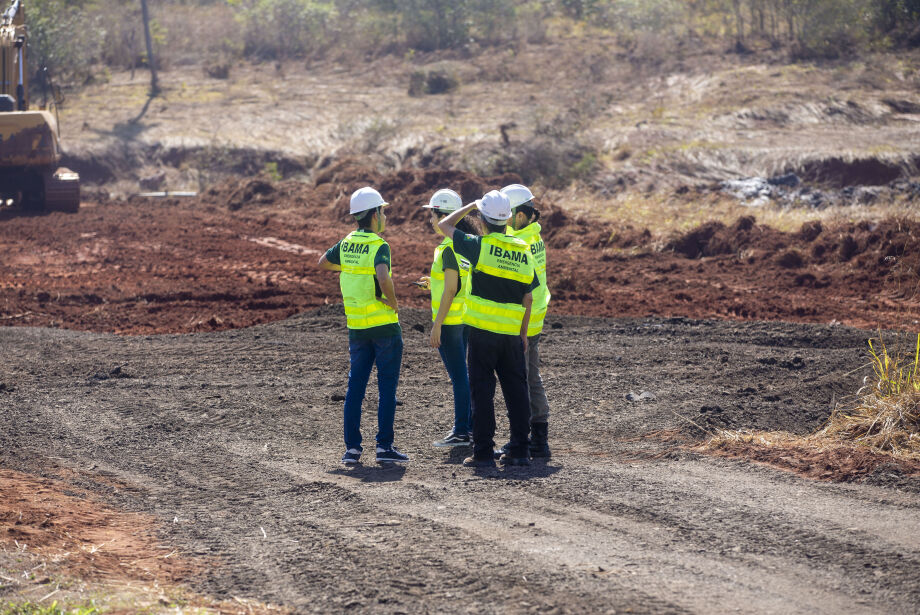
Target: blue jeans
386 352
453 353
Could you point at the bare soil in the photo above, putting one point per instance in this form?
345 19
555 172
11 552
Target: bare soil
172 368
244 253
231 441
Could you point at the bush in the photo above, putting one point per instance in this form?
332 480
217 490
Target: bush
279 29
886 414
432 82
62 38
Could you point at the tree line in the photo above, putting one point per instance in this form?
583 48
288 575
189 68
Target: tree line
76 39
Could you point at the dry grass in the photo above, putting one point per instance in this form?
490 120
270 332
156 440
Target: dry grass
665 213
886 415
883 418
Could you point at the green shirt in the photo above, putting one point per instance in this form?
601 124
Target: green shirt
382 258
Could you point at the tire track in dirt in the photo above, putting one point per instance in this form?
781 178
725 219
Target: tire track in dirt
222 436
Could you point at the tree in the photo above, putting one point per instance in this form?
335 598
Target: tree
151 61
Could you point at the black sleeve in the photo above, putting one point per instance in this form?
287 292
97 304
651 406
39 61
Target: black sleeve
533 283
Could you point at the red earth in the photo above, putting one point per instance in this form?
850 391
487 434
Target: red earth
244 253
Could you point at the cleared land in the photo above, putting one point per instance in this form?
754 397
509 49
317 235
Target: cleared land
221 436
171 376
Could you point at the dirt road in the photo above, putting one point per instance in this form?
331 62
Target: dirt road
231 441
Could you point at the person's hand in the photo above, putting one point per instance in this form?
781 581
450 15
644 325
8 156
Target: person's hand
424 282
524 341
436 336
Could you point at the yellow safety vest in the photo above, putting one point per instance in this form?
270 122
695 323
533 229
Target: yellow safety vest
541 295
508 258
363 309
455 314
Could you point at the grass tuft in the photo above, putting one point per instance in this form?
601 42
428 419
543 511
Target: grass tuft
32 608
883 419
886 415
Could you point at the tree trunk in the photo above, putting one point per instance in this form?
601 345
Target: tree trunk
739 22
151 61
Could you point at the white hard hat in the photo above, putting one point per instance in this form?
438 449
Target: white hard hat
517 194
445 200
364 199
494 206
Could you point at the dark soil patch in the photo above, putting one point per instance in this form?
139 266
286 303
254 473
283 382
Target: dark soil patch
231 442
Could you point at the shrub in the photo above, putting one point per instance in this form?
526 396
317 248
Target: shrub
62 38
886 415
279 29
432 82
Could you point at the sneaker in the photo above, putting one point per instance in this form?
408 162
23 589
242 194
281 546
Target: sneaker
390 454
453 439
472 462
508 460
351 456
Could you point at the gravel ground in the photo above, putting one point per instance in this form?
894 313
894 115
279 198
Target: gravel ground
232 440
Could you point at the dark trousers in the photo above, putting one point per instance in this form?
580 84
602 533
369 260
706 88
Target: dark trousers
490 354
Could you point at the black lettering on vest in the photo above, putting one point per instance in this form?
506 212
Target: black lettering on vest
499 252
356 248
536 248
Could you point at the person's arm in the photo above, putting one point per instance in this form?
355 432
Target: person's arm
525 323
386 286
325 264
449 224
451 278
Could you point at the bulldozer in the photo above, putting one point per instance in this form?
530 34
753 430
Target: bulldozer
30 152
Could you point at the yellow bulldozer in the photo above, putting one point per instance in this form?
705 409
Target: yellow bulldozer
30 152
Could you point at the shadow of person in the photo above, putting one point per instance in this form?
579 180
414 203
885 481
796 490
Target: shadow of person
457 454
377 473
536 469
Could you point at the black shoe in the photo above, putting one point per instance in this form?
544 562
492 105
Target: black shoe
508 460
351 456
453 439
472 462
538 446
390 455
502 451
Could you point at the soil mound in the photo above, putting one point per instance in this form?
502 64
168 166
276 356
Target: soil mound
244 252
840 173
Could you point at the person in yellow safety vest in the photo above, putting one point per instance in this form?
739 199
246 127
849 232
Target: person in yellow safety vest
372 314
449 284
503 278
525 225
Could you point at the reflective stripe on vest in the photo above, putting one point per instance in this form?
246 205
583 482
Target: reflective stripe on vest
455 314
507 258
541 294
363 309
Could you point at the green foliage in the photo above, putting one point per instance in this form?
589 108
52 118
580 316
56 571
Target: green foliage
897 374
31 608
74 37
271 171
61 38
279 29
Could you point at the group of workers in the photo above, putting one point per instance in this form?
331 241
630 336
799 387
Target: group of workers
488 302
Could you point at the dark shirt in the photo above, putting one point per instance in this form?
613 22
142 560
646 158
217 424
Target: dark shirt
488 286
381 258
449 261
